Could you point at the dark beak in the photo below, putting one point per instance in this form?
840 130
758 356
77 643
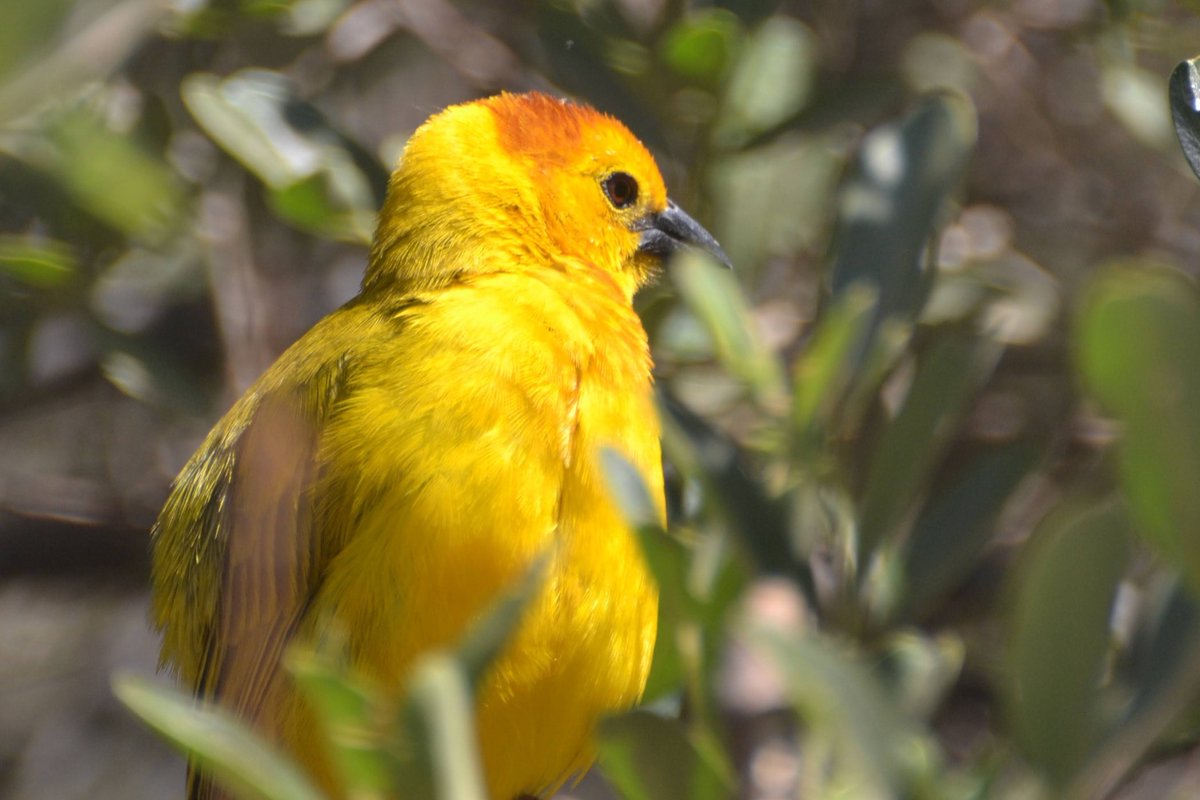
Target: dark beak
671 230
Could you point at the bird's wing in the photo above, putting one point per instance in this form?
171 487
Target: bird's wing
236 560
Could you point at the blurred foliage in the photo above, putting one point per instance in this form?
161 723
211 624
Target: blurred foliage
932 446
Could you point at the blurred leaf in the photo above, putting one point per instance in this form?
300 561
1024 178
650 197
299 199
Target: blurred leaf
933 61
874 745
221 744
244 115
1138 342
1166 682
667 561
1060 635
1135 97
678 611
713 294
485 639
921 669
696 587
28 31
750 11
1026 304
957 521
825 370
36 261
771 80
668 673
900 180
1167 677
144 369
310 204
883 352
263 8
647 757
947 376
1184 95
439 756
310 17
700 46
629 490
628 57
107 173
772 201
320 181
88 55
664 555
134 291
757 519
351 719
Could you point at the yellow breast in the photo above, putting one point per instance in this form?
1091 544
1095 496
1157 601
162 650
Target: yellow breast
478 458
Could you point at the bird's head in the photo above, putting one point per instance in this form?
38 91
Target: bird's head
527 182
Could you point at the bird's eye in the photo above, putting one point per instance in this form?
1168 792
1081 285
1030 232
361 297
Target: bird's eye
621 189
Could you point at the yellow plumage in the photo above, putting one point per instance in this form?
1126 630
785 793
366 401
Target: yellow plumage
403 462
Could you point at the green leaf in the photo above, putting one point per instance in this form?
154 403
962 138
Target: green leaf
759 520
1138 344
667 561
310 204
92 46
310 17
36 262
770 83
1060 636
772 201
899 183
933 61
1170 662
827 368
665 556
487 636
696 586
677 660
699 47
1166 677
956 523
628 488
439 756
135 289
142 369
107 173
30 31
647 757
920 670
1135 97
350 715
241 114
874 746
946 378
320 180
713 294
222 745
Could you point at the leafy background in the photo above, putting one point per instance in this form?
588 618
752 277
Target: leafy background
933 444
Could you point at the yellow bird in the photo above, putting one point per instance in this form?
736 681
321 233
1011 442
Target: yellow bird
403 463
